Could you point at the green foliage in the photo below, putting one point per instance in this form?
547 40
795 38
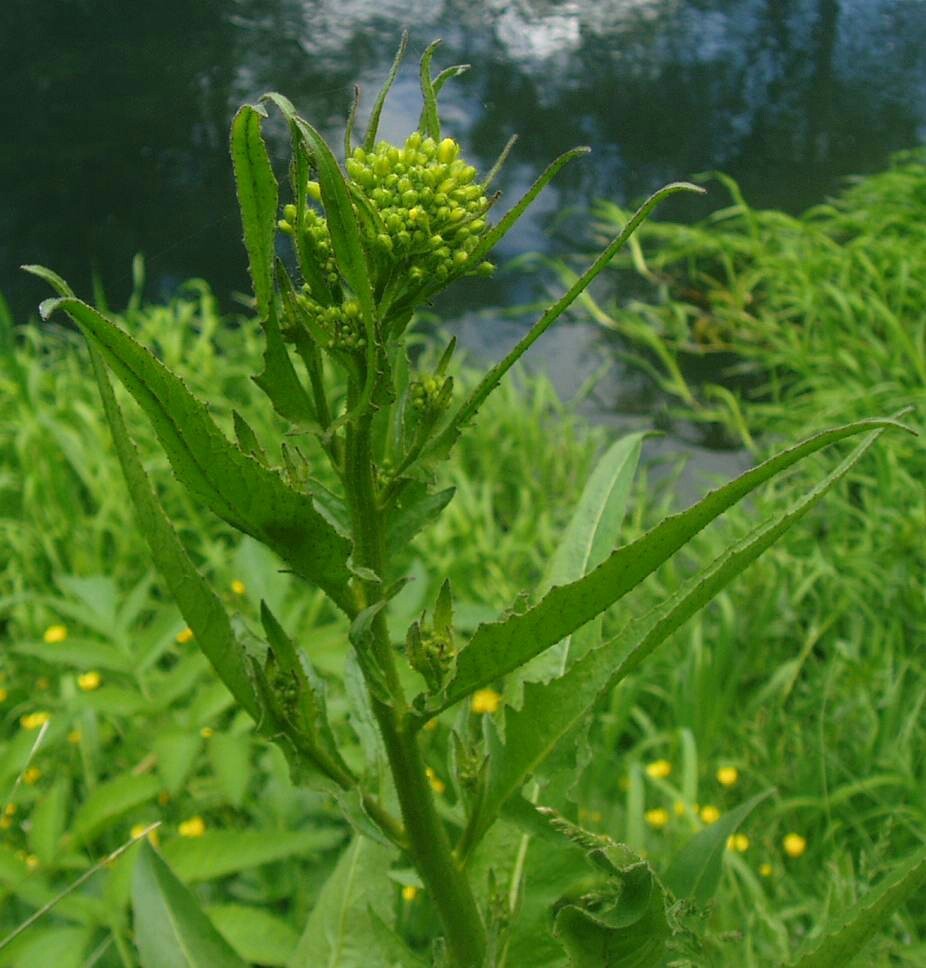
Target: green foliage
340 510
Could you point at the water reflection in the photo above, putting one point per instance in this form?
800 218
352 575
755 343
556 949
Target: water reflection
115 127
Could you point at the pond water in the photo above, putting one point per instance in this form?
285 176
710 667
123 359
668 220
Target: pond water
115 128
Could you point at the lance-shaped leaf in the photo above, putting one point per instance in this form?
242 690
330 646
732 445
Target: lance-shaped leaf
429 122
695 871
171 929
201 608
552 709
844 941
231 483
499 648
589 538
369 142
258 198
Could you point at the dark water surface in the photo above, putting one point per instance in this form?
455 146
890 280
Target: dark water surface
115 118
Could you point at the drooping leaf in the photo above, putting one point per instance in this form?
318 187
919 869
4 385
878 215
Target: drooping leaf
340 929
842 943
550 710
629 932
258 199
218 853
232 484
501 647
171 930
695 871
200 606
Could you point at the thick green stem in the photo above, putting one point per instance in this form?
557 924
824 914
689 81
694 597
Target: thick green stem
429 844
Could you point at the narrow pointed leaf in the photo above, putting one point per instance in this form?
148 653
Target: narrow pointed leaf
171 930
231 483
369 142
201 608
279 380
550 710
499 648
448 435
842 943
258 198
695 871
430 120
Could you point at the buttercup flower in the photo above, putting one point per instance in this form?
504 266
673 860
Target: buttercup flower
238 587
766 869
437 784
89 681
194 827
3 694
728 776
32 775
710 814
184 636
485 701
409 892
659 769
794 845
55 633
657 818
34 720
738 842
139 828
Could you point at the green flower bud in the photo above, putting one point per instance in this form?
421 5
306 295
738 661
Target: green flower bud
447 150
314 190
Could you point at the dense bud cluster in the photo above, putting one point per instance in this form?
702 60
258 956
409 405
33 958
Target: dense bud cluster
431 211
314 236
342 323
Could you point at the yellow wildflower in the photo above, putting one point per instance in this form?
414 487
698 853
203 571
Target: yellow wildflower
710 814
679 808
206 732
485 701
184 636
3 694
437 784
32 862
728 776
5 823
10 809
194 827
657 818
658 769
238 587
31 775
139 828
409 892
766 869
738 842
89 681
55 633
34 720
794 845
74 737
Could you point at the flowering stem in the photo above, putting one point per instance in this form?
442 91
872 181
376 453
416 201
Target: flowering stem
429 844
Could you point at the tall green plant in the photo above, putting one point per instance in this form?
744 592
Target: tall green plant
371 242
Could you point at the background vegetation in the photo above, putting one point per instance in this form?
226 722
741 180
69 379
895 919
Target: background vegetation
806 676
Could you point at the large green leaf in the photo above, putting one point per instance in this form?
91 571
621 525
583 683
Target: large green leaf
550 710
258 198
171 930
843 942
695 871
259 937
231 483
221 852
200 606
340 929
499 648
110 801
